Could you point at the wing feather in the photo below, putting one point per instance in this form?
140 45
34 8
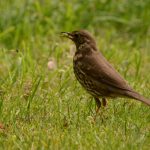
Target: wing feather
99 69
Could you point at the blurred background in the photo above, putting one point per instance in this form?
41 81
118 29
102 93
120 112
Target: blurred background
35 21
35 25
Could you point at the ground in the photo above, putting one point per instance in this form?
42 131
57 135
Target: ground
42 106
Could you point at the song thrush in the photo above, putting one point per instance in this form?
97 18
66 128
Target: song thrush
95 73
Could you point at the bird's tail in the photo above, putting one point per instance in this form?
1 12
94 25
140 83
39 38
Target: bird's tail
137 96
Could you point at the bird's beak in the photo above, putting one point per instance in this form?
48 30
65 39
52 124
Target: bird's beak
67 34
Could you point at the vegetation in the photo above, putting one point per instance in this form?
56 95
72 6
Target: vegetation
43 108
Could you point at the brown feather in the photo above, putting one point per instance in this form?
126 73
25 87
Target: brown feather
95 73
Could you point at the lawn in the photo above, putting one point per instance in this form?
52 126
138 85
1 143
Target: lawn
46 108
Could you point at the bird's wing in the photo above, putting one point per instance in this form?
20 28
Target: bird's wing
95 66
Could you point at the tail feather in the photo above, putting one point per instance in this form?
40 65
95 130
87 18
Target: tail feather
138 97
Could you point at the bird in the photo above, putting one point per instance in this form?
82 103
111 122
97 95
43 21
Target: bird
97 76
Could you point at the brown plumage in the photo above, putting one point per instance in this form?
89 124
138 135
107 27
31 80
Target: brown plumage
95 73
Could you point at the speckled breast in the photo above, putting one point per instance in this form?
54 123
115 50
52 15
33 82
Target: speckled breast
84 79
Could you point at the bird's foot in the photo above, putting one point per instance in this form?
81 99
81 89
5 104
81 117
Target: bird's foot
104 102
99 104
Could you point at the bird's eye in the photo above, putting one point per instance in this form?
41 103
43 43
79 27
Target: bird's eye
76 35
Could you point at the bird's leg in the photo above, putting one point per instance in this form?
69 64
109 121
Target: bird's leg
98 103
104 101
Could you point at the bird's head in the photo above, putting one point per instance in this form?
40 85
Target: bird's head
80 37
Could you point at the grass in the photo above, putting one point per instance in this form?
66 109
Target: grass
48 109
